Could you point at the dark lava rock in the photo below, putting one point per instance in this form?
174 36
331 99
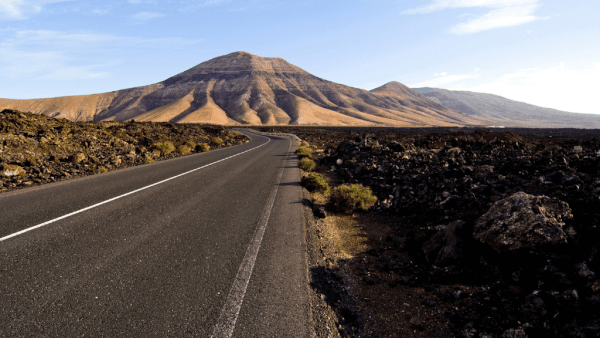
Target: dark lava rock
545 272
523 221
319 212
445 247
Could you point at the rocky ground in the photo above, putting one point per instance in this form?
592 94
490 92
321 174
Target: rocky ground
477 233
36 149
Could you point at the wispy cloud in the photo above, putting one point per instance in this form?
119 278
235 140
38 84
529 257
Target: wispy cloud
46 54
443 79
504 13
21 9
569 88
143 16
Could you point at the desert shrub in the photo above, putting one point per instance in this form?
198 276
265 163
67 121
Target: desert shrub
102 169
202 147
216 141
9 170
95 160
165 147
315 182
347 198
303 152
306 164
184 149
190 144
32 161
148 159
78 158
156 153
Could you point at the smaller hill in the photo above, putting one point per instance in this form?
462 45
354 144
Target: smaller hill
507 112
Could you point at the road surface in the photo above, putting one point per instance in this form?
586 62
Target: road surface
205 245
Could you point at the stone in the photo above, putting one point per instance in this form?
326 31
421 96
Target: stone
416 321
584 271
523 221
445 247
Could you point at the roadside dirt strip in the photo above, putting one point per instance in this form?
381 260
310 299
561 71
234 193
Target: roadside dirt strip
204 245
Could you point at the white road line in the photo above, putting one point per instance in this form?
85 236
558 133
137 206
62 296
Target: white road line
121 196
229 314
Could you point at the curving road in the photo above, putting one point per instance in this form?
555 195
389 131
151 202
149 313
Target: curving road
205 245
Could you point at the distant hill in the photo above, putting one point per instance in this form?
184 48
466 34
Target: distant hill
241 88
507 112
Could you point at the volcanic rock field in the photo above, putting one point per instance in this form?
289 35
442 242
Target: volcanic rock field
36 149
498 230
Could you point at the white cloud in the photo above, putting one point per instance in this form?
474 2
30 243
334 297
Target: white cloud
443 79
46 54
504 13
560 87
147 16
20 9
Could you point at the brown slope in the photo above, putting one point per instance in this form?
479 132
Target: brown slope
241 88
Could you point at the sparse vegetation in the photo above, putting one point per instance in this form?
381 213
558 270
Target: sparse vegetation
216 141
315 182
165 147
348 198
303 152
306 164
184 149
50 149
202 147
102 169
9 170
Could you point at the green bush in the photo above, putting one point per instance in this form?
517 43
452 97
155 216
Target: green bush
315 182
216 141
165 147
347 198
190 144
306 164
202 147
304 152
184 149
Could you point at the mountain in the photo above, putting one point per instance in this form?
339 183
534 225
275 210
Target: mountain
241 88
508 112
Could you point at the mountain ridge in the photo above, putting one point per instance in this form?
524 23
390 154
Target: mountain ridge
242 88
508 112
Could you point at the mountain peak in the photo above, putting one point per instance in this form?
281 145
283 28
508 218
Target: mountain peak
394 87
239 62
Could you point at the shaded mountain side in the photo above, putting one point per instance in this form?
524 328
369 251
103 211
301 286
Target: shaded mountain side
508 112
241 88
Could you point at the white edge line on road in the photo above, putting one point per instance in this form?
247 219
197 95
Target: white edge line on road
233 304
121 196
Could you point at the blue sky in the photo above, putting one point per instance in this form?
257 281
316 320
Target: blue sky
537 51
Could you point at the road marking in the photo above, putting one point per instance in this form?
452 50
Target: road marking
229 314
121 196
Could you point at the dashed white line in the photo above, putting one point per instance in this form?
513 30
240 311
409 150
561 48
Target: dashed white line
233 304
124 195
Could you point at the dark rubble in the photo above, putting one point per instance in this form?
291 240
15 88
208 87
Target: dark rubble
440 184
37 149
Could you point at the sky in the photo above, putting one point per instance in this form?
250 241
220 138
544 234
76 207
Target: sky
543 52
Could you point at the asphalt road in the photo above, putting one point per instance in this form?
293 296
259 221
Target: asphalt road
175 259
